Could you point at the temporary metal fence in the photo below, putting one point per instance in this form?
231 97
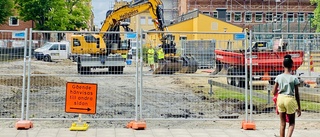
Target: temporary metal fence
224 92
12 79
180 93
306 70
202 50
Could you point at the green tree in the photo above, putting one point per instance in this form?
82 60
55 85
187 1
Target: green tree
316 19
5 10
55 14
47 14
80 13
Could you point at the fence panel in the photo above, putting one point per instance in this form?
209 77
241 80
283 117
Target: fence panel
56 62
203 52
302 48
12 47
216 93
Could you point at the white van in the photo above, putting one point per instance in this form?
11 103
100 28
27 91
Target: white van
53 51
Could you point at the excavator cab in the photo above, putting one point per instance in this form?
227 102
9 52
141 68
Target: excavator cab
168 45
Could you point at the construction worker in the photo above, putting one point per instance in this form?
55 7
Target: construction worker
150 54
160 54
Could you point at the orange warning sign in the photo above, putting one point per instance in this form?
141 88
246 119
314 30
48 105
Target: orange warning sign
81 98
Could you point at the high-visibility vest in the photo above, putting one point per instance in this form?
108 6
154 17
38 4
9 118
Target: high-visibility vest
150 53
160 53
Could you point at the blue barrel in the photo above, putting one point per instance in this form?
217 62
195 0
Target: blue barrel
128 61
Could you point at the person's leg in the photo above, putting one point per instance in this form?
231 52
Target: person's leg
150 65
291 124
282 123
282 114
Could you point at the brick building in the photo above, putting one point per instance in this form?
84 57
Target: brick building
14 23
246 13
13 26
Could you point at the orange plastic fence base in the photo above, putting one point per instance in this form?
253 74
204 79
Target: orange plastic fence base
24 124
137 125
266 77
310 82
248 125
207 71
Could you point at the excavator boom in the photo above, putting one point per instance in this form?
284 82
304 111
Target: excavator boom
155 8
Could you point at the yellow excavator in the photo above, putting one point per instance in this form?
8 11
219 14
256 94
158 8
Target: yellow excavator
107 50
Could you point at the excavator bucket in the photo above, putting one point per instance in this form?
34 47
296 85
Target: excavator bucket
168 66
190 65
218 68
177 64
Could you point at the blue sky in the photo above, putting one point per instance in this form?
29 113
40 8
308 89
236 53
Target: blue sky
100 8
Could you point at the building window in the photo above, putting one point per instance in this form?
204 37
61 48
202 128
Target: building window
215 14
13 21
290 17
206 13
248 17
301 17
259 17
228 17
142 20
150 21
237 17
310 15
269 17
279 17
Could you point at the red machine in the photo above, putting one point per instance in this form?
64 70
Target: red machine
266 64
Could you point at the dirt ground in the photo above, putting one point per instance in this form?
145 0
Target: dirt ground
168 98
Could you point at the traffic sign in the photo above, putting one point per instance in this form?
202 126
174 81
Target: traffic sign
239 36
81 98
18 34
131 35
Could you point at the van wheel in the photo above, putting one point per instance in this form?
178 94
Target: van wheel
116 70
47 58
74 59
84 70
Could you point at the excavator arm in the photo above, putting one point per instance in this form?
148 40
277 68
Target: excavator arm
155 8
114 20
108 40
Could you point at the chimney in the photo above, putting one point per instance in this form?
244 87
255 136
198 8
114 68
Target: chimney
222 13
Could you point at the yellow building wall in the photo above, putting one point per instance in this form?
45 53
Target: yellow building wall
223 41
153 38
207 24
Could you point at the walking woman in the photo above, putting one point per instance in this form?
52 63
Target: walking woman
288 101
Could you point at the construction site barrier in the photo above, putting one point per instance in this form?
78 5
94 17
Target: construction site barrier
234 92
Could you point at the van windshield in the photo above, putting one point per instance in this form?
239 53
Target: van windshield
46 46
